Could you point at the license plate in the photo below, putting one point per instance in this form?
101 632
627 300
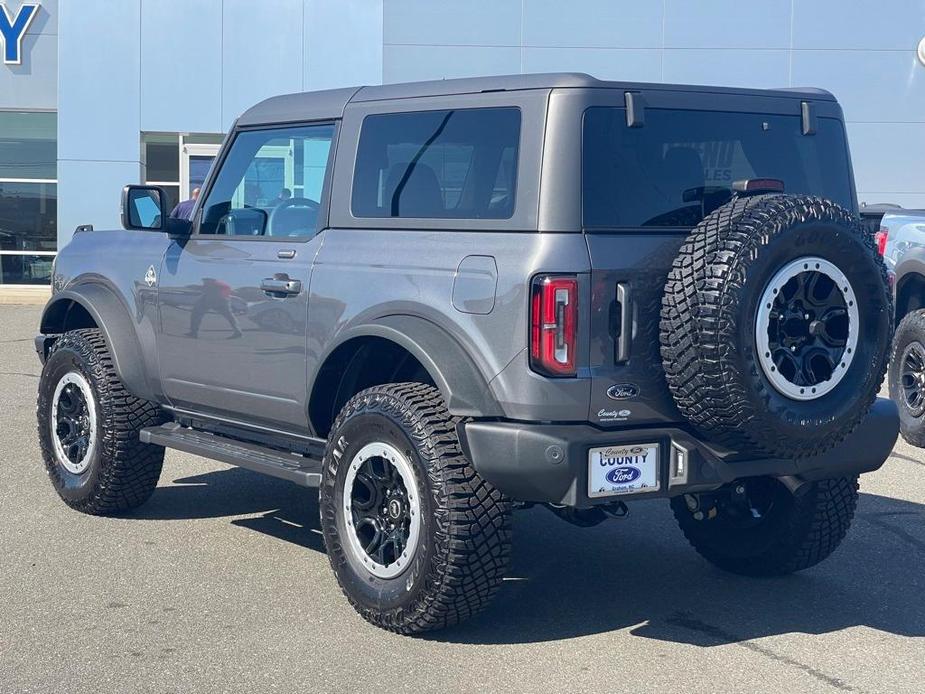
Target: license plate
616 470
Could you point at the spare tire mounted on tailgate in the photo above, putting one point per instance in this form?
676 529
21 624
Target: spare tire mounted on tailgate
775 325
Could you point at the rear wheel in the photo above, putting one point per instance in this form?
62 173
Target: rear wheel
759 527
907 376
417 540
88 428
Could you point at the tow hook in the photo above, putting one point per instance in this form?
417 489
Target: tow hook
589 517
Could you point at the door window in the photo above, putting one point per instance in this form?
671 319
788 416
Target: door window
270 184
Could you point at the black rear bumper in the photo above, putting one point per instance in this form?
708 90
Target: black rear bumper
549 462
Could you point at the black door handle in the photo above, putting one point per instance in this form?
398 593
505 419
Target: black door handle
281 287
625 327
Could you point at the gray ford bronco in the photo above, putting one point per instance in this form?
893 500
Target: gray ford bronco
444 301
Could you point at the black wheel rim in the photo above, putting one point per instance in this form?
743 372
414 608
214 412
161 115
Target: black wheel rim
912 378
808 329
382 509
72 424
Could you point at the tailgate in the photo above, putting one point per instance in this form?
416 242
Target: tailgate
628 273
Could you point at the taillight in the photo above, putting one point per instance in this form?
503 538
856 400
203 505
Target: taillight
553 325
880 238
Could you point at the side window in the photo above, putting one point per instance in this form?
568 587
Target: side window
438 164
270 183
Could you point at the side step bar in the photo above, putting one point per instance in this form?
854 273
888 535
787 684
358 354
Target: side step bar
288 466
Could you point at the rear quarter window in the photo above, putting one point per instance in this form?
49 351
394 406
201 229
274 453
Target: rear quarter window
451 164
681 164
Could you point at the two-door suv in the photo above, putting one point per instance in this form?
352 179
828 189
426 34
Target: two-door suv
440 302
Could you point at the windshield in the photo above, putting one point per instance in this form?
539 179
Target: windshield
680 165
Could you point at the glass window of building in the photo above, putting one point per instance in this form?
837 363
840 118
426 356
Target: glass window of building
179 162
28 196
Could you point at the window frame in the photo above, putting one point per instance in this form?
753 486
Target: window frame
532 105
209 183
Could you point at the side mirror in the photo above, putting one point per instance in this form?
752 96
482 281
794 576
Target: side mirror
144 208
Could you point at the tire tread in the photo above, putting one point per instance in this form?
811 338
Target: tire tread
473 529
130 468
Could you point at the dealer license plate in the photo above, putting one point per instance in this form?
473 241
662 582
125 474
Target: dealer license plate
623 469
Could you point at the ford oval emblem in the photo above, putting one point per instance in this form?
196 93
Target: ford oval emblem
623 391
623 475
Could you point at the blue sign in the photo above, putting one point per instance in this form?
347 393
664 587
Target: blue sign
13 29
623 475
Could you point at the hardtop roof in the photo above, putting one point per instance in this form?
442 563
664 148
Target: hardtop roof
331 103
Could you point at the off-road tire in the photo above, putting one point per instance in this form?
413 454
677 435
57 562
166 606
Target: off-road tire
464 544
122 472
911 330
708 324
805 529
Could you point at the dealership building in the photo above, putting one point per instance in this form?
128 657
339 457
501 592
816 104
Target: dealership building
95 94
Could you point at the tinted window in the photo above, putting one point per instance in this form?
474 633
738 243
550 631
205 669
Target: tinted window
270 183
28 145
438 164
680 165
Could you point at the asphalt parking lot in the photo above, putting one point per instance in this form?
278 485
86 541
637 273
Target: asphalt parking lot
220 583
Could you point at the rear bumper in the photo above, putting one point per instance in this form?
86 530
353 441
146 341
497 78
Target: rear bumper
549 462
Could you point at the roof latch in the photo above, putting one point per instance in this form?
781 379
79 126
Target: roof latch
808 113
635 109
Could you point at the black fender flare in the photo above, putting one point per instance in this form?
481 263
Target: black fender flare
463 385
114 320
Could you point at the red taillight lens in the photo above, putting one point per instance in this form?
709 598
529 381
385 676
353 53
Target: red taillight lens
553 325
880 238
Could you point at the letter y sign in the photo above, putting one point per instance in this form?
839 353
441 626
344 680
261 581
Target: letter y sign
13 29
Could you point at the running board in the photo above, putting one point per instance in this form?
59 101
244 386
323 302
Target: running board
288 466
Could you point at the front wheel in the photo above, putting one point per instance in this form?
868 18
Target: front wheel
417 540
88 428
759 527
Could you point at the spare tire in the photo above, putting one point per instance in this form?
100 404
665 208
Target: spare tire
776 325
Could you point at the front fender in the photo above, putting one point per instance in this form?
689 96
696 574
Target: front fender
453 371
114 320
